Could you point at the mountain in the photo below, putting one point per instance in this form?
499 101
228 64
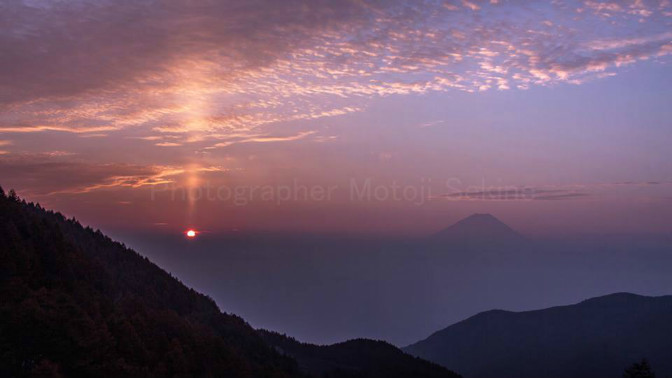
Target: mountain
479 241
77 304
596 338
355 358
478 228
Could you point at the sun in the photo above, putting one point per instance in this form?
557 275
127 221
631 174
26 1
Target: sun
191 233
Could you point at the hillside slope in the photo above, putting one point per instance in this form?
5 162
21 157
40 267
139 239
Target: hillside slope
355 358
596 338
76 303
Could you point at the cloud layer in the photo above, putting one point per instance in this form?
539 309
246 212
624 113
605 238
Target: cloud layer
225 71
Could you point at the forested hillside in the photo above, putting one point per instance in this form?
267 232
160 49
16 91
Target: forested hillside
76 303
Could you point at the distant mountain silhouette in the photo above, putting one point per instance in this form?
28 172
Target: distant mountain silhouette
596 338
478 228
355 358
77 304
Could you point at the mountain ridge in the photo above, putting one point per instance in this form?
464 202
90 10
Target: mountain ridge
371 358
596 337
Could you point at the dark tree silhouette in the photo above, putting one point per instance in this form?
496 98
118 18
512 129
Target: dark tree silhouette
358 358
77 304
639 370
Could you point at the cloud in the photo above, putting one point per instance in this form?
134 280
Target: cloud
97 44
35 129
510 193
503 194
263 139
568 192
49 174
226 67
561 196
523 193
641 8
430 123
168 144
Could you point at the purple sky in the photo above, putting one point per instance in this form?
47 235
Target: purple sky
340 116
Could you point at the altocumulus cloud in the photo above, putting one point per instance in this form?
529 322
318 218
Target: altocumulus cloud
227 72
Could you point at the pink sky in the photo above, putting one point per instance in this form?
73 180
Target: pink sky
554 116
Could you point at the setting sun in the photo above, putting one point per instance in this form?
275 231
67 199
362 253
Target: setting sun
191 233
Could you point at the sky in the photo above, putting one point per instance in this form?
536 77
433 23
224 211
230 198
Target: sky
356 117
